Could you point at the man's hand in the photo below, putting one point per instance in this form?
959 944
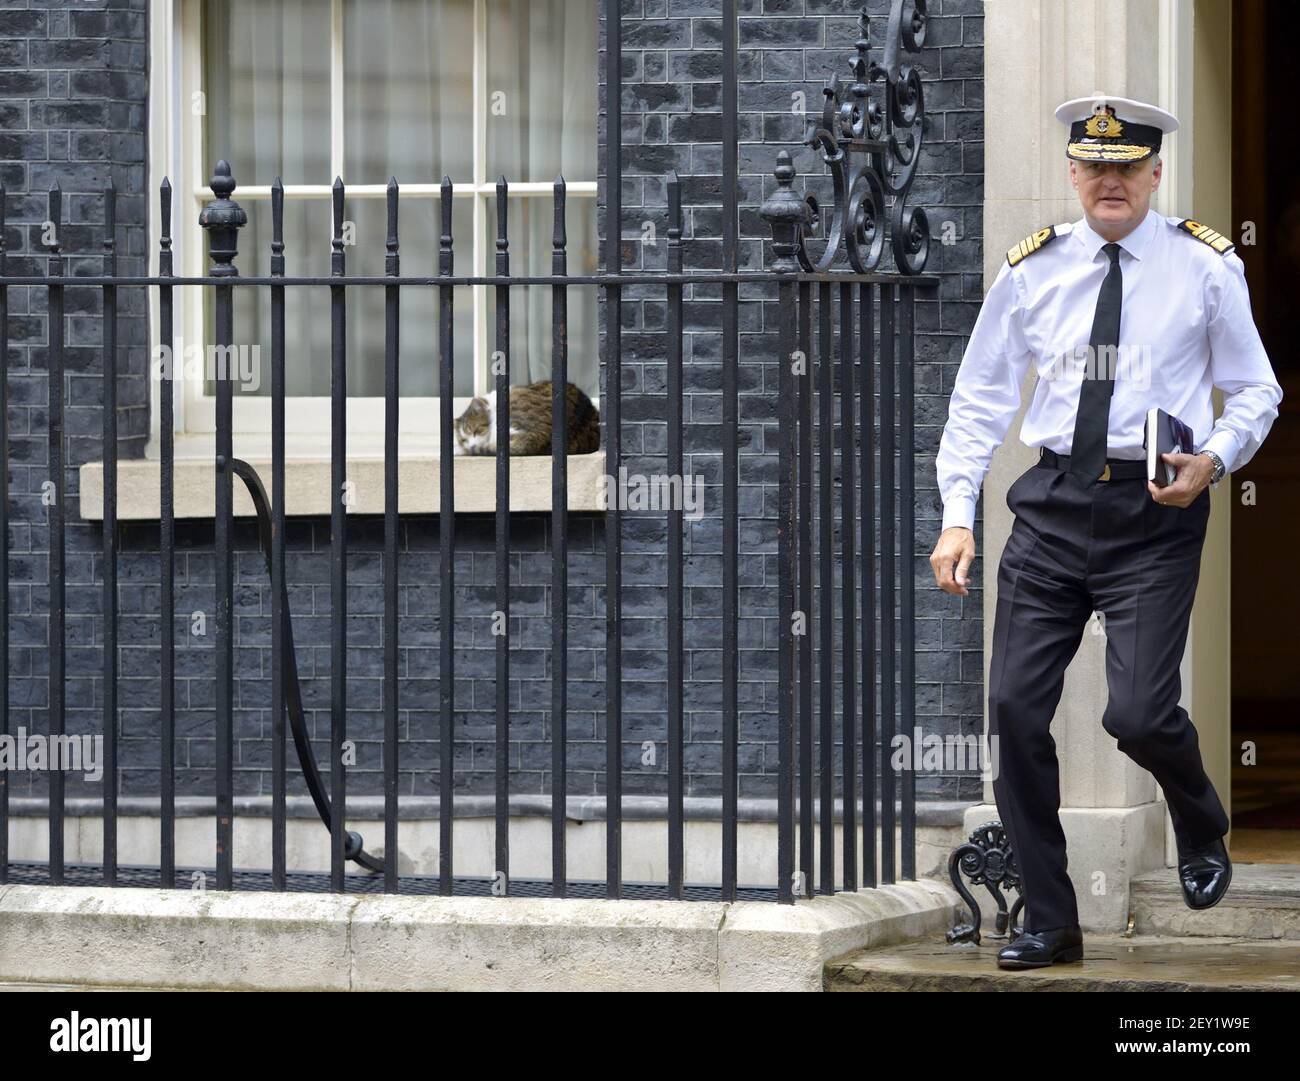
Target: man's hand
956 546
1194 473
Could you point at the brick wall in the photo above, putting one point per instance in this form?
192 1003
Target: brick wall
72 99
73 92
671 101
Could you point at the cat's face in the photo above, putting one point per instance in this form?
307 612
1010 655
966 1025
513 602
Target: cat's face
473 428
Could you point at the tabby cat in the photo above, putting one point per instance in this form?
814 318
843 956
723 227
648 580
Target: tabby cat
530 422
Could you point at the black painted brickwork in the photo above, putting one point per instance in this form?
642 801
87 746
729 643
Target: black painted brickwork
73 86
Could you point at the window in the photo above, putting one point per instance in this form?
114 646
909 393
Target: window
363 89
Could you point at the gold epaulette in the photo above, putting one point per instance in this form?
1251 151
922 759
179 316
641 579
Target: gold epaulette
1032 243
1206 235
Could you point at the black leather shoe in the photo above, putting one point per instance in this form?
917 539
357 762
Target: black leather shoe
1204 871
1037 949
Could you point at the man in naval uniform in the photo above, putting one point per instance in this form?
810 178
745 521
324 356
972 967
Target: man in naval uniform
1119 312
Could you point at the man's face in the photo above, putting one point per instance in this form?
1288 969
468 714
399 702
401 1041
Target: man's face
1114 193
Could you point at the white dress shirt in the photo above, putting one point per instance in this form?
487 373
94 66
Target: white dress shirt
1185 326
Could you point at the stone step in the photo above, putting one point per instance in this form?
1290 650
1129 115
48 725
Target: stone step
1263 903
27 987
1110 963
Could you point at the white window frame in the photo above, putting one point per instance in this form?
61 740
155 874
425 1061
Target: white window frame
176 150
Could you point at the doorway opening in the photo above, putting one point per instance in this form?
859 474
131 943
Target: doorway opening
1266 493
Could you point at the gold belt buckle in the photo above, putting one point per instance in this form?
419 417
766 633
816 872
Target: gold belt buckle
1105 473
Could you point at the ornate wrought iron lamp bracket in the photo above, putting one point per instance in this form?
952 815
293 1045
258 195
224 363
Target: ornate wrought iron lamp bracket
871 147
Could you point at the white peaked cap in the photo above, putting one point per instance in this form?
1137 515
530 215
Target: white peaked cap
1104 127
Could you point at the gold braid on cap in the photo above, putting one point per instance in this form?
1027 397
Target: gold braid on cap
1094 152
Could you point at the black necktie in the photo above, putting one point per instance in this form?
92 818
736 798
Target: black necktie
1092 422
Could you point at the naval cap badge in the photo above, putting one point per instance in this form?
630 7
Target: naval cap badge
1104 124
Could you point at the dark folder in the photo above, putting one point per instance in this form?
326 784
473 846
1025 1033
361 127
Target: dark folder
1164 434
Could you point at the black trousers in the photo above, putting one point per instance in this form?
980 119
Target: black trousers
1075 549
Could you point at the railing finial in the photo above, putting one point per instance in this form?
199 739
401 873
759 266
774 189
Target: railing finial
445 263
560 233
55 208
787 214
277 228
165 233
391 265
337 194
674 223
223 218
503 205
223 182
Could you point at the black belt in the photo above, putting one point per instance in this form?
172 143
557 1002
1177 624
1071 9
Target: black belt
1116 468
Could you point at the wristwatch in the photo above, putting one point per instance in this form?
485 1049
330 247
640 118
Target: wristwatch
1219 468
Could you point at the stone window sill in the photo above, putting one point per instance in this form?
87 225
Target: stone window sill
307 485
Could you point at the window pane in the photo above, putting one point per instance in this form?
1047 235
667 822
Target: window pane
408 76
308 228
408 107
307 313
541 89
530 228
267 79
419 228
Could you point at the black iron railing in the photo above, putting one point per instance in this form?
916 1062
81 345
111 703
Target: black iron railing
835 307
